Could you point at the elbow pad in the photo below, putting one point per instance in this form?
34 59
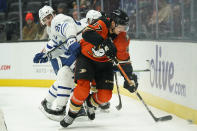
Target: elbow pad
75 48
72 46
92 37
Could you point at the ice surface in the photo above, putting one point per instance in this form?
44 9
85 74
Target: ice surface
20 106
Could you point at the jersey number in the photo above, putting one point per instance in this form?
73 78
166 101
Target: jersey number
57 27
97 27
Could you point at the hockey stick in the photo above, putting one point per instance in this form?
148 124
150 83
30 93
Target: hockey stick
119 106
49 53
146 70
164 118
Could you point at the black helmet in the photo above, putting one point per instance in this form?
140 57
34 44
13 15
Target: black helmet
119 17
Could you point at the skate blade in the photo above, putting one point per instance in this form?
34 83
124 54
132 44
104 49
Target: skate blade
50 116
104 110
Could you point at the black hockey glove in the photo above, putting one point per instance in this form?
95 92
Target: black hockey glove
131 88
109 48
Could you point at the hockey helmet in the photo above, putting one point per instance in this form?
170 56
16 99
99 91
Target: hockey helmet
45 11
120 17
92 15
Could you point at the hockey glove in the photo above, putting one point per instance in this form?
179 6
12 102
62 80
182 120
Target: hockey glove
75 49
131 88
109 48
40 58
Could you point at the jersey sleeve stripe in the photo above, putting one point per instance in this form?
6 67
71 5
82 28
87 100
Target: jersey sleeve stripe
49 47
66 88
54 42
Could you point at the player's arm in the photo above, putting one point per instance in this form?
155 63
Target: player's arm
47 53
123 58
128 69
71 43
91 36
70 46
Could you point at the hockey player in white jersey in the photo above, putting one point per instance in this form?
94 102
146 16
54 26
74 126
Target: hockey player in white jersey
90 17
61 29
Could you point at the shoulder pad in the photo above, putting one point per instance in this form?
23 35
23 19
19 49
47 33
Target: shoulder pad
106 21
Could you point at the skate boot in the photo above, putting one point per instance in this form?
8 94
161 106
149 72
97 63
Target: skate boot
81 112
47 107
58 110
68 119
56 114
105 106
89 110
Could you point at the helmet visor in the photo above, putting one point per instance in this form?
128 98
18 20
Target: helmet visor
122 28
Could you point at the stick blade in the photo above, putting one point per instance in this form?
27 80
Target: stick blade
118 107
165 118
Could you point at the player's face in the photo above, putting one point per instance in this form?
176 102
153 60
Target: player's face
29 22
47 20
120 28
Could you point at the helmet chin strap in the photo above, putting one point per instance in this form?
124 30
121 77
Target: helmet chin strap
114 28
53 15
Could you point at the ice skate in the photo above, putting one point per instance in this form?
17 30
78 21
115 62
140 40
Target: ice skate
68 119
81 112
89 110
105 107
56 114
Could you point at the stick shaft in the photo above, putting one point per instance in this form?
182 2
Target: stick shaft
119 106
124 74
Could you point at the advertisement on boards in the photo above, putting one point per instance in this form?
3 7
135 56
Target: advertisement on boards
171 68
17 62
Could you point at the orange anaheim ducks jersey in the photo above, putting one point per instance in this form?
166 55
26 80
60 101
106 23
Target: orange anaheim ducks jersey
121 42
87 48
122 45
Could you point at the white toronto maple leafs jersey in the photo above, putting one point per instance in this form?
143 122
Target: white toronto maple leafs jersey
63 30
84 22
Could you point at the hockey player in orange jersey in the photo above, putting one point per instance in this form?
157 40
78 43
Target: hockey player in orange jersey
102 42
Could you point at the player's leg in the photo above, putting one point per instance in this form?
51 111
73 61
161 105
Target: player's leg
84 73
65 80
46 104
104 85
52 92
54 105
65 84
93 87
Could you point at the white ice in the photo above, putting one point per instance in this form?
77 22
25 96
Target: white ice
20 106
